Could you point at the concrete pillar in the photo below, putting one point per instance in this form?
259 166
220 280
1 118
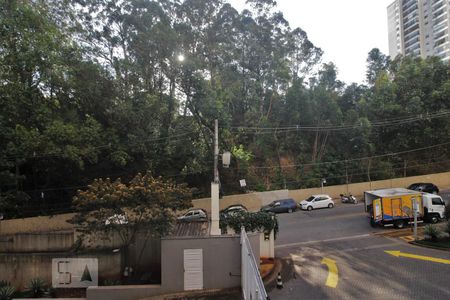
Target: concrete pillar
215 229
267 247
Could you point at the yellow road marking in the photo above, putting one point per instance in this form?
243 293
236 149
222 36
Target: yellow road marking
407 238
421 257
333 276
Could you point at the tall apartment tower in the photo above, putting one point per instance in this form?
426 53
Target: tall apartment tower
419 28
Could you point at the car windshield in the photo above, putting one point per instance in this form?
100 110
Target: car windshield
413 186
235 208
310 199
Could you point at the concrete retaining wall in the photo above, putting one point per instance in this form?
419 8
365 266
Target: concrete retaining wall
253 201
357 189
37 242
36 224
221 267
19 269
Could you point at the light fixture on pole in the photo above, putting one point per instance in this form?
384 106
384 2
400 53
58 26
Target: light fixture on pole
226 158
322 182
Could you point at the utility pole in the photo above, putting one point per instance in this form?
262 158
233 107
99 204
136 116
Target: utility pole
415 218
215 229
216 151
346 175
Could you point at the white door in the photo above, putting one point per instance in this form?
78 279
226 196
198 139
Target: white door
193 269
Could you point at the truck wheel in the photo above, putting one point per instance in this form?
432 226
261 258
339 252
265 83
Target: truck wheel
434 219
399 224
309 208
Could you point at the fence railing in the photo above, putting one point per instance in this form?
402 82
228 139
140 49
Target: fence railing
251 281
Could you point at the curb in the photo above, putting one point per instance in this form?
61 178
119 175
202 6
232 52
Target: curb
188 294
272 275
428 246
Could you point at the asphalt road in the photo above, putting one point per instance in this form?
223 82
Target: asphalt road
364 270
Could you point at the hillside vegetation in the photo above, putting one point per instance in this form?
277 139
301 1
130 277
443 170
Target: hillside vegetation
107 89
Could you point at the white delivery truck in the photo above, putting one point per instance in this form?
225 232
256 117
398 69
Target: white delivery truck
394 206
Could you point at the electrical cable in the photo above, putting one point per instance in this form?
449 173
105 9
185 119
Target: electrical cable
354 159
383 123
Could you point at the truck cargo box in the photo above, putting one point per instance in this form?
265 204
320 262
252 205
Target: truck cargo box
392 206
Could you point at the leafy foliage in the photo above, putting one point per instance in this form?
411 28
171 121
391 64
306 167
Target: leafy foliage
7 292
145 203
36 288
431 232
447 227
251 221
84 98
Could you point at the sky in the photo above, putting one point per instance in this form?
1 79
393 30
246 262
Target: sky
346 30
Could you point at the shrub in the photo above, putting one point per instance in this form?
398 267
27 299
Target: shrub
431 232
447 228
6 292
252 221
110 282
37 288
447 212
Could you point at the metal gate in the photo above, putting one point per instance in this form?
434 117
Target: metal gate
252 284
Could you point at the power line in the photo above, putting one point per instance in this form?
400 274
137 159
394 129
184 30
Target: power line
89 150
353 159
67 188
376 171
383 123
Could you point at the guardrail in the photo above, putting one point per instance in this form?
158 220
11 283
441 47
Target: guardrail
251 281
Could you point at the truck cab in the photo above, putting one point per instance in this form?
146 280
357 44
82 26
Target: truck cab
433 207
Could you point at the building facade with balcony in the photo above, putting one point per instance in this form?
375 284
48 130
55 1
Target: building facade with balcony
419 28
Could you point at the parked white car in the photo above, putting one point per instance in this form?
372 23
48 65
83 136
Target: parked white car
317 201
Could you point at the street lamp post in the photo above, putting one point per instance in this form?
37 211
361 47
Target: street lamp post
415 208
322 181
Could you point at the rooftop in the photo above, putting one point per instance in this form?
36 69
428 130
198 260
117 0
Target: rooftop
393 192
190 229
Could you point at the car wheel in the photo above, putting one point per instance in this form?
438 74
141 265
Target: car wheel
330 205
399 224
309 208
289 210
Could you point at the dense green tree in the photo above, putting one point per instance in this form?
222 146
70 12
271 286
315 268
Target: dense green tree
92 89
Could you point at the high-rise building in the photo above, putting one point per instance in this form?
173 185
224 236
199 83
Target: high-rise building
419 28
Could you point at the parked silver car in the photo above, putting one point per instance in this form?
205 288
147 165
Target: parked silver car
194 215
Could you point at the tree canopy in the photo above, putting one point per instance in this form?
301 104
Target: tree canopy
94 89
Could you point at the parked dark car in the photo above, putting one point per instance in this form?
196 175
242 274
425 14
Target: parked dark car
280 206
232 209
424 187
194 215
